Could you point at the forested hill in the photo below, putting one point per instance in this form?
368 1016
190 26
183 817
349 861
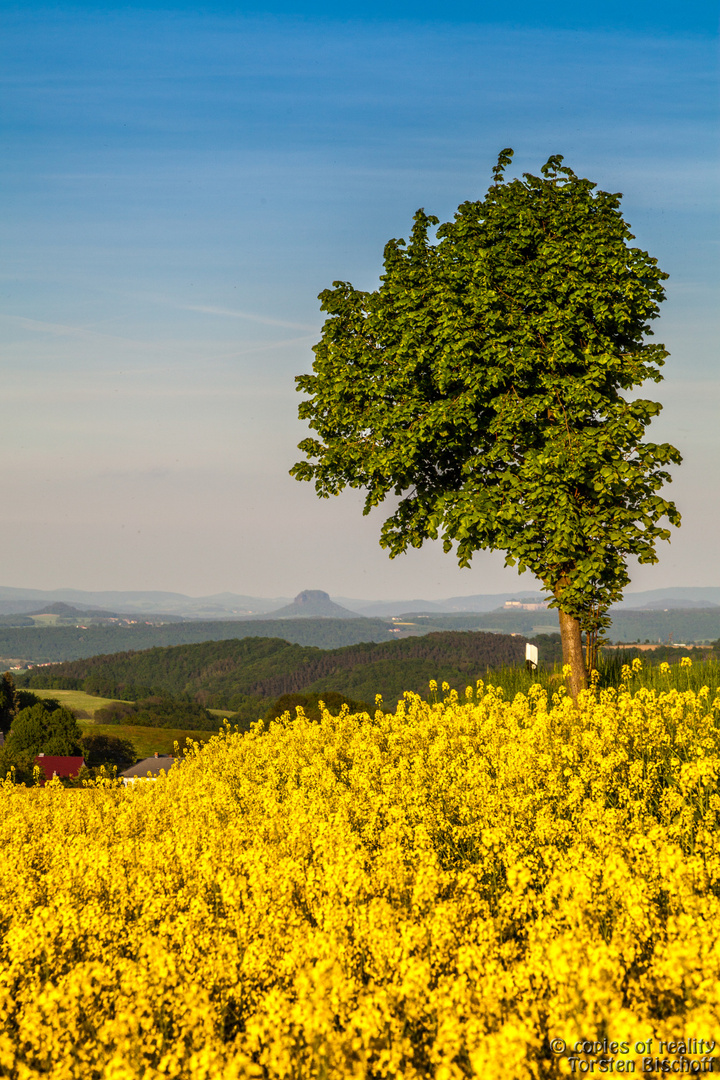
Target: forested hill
51 643
225 674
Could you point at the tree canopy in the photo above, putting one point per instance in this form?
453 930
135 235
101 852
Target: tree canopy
8 701
107 750
487 385
234 675
39 729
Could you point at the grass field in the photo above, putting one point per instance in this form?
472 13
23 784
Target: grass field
77 700
146 740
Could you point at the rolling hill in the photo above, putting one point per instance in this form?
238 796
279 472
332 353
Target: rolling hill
49 644
229 674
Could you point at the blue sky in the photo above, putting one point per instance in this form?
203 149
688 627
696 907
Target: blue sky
180 182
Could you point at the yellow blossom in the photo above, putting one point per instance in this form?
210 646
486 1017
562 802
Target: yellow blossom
437 892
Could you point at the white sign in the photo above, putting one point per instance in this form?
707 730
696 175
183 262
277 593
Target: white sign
531 654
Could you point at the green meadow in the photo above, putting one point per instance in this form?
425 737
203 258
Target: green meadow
146 740
83 705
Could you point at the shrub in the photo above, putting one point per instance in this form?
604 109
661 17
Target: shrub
117 712
158 711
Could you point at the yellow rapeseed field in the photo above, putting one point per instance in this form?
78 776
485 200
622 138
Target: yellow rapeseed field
473 888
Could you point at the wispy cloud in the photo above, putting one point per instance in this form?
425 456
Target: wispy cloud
222 351
207 310
182 187
58 329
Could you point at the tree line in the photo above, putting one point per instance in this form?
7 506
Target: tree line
43 644
32 725
225 674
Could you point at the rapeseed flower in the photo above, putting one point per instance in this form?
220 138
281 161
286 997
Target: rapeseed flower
440 891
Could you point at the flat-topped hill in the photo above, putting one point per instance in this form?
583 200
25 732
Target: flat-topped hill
312 604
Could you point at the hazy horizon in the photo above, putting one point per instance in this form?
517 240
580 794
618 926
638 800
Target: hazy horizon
106 596
181 184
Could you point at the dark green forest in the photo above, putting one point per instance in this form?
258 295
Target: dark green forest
628 625
159 710
52 643
245 672
43 644
678 625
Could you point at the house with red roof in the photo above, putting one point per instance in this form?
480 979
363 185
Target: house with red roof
63 767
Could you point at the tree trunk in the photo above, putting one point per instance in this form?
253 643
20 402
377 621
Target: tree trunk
573 653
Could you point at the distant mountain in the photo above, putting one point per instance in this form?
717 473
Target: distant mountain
674 603
705 596
220 606
61 608
313 604
227 605
68 614
478 603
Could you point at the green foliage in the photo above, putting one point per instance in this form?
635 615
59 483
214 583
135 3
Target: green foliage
26 698
44 681
43 729
488 383
8 701
652 674
117 712
158 711
16 766
55 643
248 675
549 649
310 704
657 674
107 750
518 679
660 654
163 711
147 741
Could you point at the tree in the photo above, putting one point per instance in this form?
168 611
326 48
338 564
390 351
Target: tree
107 750
19 767
8 702
486 384
39 729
